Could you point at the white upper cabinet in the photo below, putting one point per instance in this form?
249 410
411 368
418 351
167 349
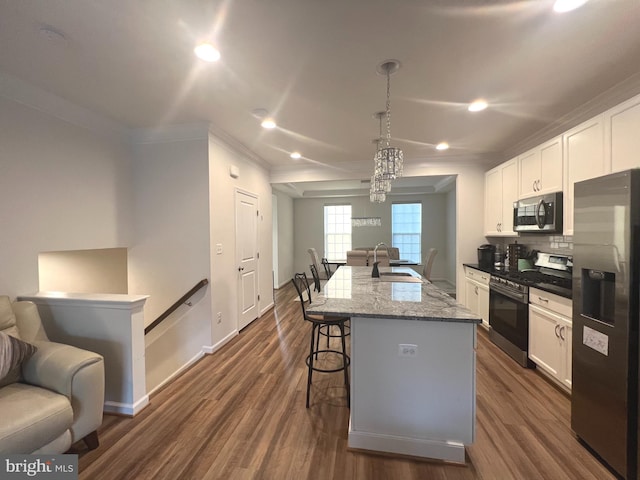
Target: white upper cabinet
583 159
622 136
501 190
541 169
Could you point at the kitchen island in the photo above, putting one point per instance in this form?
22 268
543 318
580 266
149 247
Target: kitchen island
412 362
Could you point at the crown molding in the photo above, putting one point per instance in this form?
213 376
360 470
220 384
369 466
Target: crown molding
608 99
34 97
169 133
238 147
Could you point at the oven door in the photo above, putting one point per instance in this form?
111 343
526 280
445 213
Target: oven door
509 316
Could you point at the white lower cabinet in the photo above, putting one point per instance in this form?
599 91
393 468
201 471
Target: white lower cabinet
477 294
550 335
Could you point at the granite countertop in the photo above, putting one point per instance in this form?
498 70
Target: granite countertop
352 292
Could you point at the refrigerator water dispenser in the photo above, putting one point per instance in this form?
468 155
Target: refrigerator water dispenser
599 295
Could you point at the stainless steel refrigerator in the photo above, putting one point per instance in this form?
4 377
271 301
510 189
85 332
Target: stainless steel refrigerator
606 287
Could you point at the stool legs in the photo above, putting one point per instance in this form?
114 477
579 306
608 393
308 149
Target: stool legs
314 350
310 361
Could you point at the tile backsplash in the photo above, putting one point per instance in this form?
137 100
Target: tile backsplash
543 243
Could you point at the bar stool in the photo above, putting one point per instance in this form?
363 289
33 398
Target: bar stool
327 268
301 285
317 286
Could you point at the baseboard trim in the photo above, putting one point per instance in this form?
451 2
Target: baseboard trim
126 409
267 308
414 447
209 349
178 372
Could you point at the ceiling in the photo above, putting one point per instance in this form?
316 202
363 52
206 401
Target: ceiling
312 65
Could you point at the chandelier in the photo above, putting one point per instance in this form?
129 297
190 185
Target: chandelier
379 185
388 160
366 222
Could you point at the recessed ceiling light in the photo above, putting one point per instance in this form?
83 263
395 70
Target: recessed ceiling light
442 146
477 105
295 155
207 52
268 123
562 6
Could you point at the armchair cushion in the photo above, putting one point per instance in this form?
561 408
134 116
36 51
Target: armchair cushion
54 366
12 353
32 417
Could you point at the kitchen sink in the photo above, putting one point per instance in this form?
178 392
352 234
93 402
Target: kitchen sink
396 274
399 278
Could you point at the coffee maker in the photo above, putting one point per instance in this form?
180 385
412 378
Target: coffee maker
485 256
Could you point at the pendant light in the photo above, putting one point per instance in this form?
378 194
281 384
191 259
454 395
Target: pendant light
388 159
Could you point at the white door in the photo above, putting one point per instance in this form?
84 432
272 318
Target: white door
247 257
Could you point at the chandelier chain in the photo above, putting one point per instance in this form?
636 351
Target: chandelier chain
388 108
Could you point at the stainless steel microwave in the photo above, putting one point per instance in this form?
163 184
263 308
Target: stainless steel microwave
541 214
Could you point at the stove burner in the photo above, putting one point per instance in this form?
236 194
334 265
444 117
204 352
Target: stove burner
532 278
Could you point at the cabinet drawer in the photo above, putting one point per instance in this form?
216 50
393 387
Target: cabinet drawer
550 301
477 275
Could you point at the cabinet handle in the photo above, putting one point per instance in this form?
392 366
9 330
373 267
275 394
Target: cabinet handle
476 290
545 300
562 330
539 185
556 329
534 185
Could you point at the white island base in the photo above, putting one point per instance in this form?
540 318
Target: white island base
413 387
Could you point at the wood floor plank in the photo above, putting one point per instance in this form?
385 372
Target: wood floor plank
240 414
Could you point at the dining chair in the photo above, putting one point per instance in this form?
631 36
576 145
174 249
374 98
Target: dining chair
394 253
382 257
301 284
357 258
315 259
428 263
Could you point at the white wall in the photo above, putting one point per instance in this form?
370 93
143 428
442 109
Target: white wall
450 252
285 233
62 187
171 250
224 267
309 226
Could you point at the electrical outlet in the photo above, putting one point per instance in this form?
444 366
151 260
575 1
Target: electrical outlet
407 350
219 317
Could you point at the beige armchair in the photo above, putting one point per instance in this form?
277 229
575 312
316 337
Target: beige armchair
57 398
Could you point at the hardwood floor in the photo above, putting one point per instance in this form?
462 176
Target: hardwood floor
240 414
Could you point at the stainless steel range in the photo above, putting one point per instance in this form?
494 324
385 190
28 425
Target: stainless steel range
509 301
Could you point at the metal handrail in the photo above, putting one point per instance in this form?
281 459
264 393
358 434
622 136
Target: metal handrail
176 305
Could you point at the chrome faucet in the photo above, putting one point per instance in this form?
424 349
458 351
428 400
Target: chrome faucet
375 251
375 273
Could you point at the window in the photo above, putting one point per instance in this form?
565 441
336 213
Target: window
337 231
406 230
